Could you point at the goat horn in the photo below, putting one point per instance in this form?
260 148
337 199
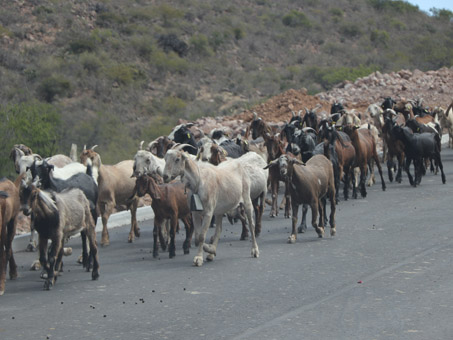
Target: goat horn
141 145
299 113
94 146
84 147
294 113
306 110
179 147
152 145
255 115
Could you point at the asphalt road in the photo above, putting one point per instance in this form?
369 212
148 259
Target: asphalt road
387 274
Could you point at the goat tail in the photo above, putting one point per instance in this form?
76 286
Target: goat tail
438 140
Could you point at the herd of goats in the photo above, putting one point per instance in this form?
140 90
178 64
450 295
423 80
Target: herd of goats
201 179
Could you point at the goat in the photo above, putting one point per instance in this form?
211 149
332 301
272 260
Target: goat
446 121
274 149
146 163
311 119
220 189
416 147
253 165
345 153
9 209
169 202
365 149
160 146
58 216
395 146
115 187
308 184
182 135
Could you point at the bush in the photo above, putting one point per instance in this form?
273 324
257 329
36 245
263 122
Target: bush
143 46
90 62
170 62
296 19
54 86
396 6
379 37
350 30
83 44
34 124
170 42
200 45
123 74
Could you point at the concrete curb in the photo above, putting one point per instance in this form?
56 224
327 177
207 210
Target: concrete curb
118 219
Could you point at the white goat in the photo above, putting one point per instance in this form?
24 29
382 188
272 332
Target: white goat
446 121
145 163
220 190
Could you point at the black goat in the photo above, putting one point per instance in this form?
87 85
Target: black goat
416 148
182 135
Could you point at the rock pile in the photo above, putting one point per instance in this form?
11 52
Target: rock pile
434 87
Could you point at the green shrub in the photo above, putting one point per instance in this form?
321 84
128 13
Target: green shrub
53 86
238 33
123 74
82 44
199 44
169 14
170 62
350 30
5 32
395 6
296 19
90 62
380 38
34 124
443 14
143 46
330 76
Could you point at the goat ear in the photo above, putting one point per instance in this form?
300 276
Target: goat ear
271 164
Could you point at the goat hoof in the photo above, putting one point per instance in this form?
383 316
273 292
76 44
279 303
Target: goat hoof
2 292
186 251
333 231
105 243
210 258
94 275
67 251
48 285
31 248
209 248
320 231
137 232
292 239
198 261
255 252
245 237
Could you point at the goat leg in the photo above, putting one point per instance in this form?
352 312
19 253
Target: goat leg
303 224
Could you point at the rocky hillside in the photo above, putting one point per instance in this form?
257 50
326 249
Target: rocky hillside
434 87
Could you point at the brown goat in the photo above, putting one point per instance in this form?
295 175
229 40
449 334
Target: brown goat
115 188
9 209
309 184
365 149
259 128
169 202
